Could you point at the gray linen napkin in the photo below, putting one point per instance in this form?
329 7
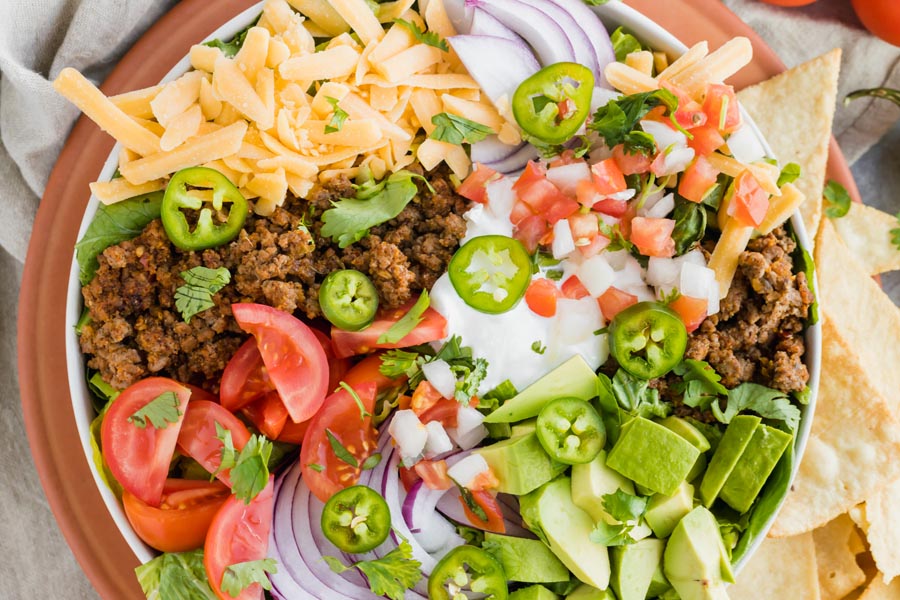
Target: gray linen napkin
37 39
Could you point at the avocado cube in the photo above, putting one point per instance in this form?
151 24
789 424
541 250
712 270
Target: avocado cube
728 452
664 512
525 560
533 592
652 456
695 561
521 464
754 467
523 427
633 566
572 379
659 585
683 428
586 592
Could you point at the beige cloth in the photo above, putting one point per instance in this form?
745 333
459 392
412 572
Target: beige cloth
38 38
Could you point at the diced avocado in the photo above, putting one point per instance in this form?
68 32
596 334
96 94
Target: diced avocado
525 560
520 464
591 481
550 513
659 585
523 427
728 452
754 467
687 431
664 512
533 592
695 561
499 431
633 566
652 456
572 379
586 592
699 468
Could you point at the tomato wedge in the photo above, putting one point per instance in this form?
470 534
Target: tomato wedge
198 440
183 517
139 457
239 533
245 378
323 471
293 356
488 503
349 343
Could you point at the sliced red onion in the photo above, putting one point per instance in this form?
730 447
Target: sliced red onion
459 14
491 150
549 38
498 65
516 161
483 23
596 34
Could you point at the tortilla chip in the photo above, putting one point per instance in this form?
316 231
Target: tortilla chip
794 111
884 529
838 572
783 568
879 590
852 448
867 232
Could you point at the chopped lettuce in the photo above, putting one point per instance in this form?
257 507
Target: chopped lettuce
175 576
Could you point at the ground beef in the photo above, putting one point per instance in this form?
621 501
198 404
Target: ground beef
135 330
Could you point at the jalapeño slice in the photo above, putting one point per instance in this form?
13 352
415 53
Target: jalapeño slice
190 189
647 339
348 299
467 568
491 273
356 519
552 104
571 431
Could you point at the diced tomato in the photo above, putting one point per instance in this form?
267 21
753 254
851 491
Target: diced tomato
631 164
565 108
697 180
613 208
541 297
138 455
424 397
474 188
445 411
573 289
566 158
183 517
408 477
488 503
486 480
520 212
434 474
349 343
608 177
562 208
653 237
584 227
245 378
294 358
585 193
534 189
404 401
595 247
198 439
727 119
613 301
749 203
530 231
689 113
706 140
268 414
691 310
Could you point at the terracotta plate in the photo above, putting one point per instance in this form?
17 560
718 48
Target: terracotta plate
49 420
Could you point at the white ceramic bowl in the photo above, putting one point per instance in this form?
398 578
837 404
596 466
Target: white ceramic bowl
613 14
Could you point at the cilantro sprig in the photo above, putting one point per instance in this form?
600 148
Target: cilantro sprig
240 576
391 575
618 121
789 174
200 285
339 115
159 412
458 130
766 402
249 467
430 37
625 508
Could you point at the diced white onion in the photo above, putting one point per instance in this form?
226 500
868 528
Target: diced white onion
622 196
501 197
409 435
676 161
566 177
563 243
663 207
617 259
469 431
695 257
439 374
596 275
641 290
465 471
650 200
745 146
662 272
630 274
696 281
663 135
438 441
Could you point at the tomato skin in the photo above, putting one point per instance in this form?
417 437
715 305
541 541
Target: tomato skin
349 343
293 356
530 231
608 177
488 503
474 187
424 397
408 477
198 440
706 139
691 310
750 202
573 289
631 164
534 189
341 416
613 301
139 457
368 370
239 533
337 367
245 378
183 517
689 113
198 393
881 17
268 414
697 180
789 2
716 94
434 474
597 245
653 237
541 297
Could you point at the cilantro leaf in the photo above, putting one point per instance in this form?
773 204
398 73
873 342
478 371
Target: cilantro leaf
249 468
175 576
637 397
200 285
458 130
159 412
766 402
701 384
338 116
789 174
468 378
625 507
397 363
350 219
371 462
363 413
618 118
431 38
340 450
895 233
537 347
407 322
231 48
391 575
607 534
623 42
240 576
617 240
837 200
